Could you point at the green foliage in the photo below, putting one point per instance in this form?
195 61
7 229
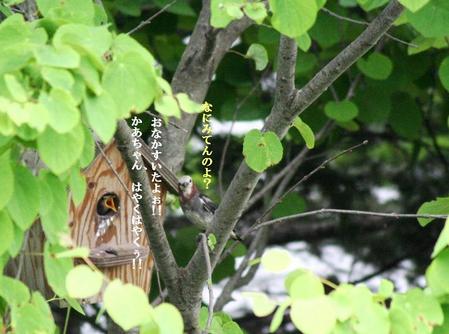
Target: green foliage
440 206
262 150
276 260
127 304
443 240
221 323
376 66
444 73
258 53
293 17
306 132
76 279
413 5
262 305
343 111
290 205
431 20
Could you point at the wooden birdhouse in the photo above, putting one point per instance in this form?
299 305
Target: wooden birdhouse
102 222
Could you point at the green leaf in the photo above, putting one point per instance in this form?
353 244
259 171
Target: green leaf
24 204
6 179
58 78
413 5
53 207
77 186
101 112
234 10
15 88
211 241
368 5
278 316
443 240
437 274
13 291
88 153
314 316
431 20
169 319
61 151
306 132
260 56
293 17
17 242
33 317
56 269
76 279
444 328
6 232
304 42
276 260
386 288
303 284
90 75
372 318
77 11
126 304
256 11
290 205
64 115
187 105
376 66
262 150
262 305
401 322
343 111
95 42
167 106
133 75
64 56
443 72
220 16
424 309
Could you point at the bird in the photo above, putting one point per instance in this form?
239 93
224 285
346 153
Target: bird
107 209
197 207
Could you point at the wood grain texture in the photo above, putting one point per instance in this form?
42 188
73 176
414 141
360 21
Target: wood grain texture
112 252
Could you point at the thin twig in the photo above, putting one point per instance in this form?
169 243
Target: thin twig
307 176
148 21
111 166
171 123
209 282
21 257
345 212
289 169
66 323
365 23
159 284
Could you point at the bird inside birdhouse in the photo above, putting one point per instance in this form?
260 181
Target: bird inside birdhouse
102 222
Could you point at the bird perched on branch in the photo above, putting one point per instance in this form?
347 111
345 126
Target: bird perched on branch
197 207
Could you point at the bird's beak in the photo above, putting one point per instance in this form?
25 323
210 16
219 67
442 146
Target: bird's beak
110 204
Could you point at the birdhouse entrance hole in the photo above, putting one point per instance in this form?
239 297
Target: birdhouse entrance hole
108 204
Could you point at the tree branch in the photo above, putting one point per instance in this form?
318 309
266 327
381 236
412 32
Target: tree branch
345 212
284 111
160 247
209 282
193 76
